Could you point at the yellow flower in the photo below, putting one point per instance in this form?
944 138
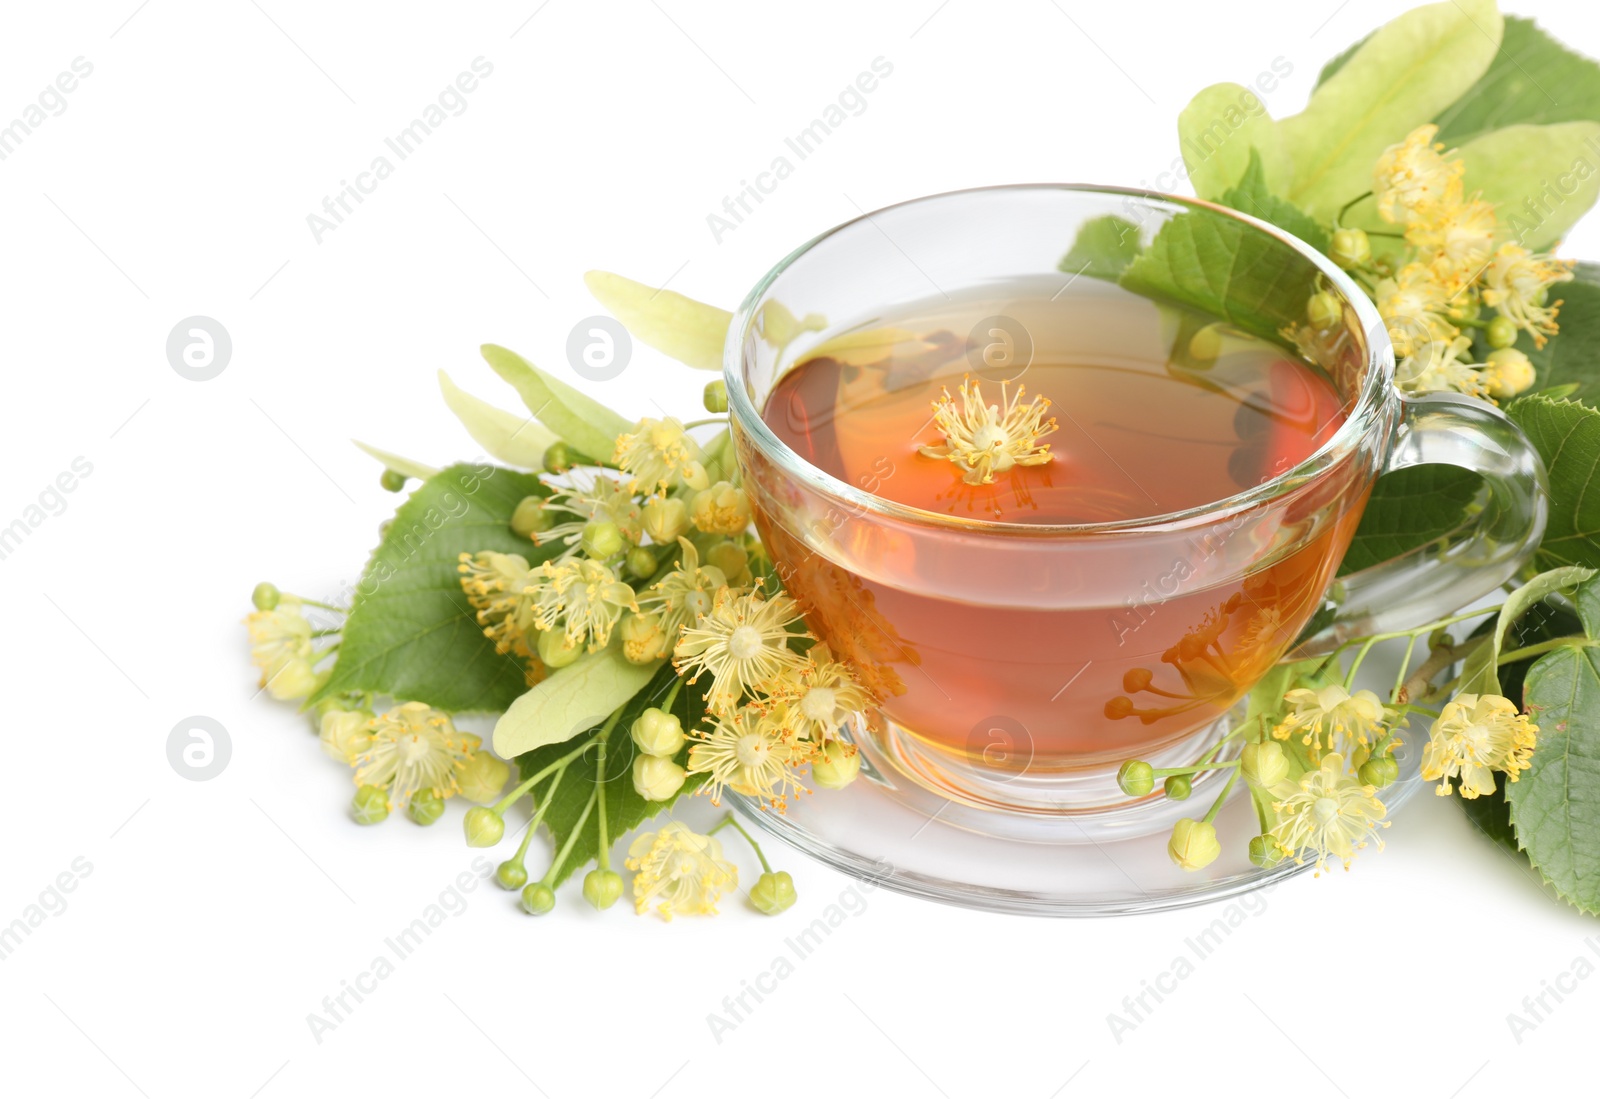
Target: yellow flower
1412 176
721 509
280 645
503 589
1332 719
1507 373
679 871
666 518
1413 306
684 594
583 598
823 695
601 499
657 453
751 753
985 439
345 734
414 747
1517 283
1438 367
743 643
1455 240
1474 736
1327 814
643 639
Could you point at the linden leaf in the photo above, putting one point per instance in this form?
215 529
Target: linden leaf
579 419
1540 178
1480 676
1408 509
1533 78
569 701
690 331
1102 249
1567 436
514 439
1218 132
625 809
1253 196
411 632
1572 358
1405 73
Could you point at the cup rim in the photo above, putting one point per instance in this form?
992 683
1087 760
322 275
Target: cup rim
1376 386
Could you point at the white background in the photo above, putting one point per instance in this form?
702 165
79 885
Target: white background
219 914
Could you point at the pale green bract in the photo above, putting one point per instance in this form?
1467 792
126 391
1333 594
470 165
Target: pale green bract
1216 132
1541 179
1406 73
1482 670
580 420
690 331
513 439
397 463
571 700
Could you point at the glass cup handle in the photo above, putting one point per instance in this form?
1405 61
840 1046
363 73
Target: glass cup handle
1441 577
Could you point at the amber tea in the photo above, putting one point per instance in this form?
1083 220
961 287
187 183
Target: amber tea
1015 651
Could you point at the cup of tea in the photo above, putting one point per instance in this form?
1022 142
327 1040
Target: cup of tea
1061 487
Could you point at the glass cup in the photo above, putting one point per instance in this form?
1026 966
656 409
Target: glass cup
1014 666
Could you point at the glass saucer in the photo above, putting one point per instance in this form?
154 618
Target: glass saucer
889 830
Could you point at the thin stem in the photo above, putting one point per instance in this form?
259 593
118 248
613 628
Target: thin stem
604 858
1216 806
326 633
511 799
572 839
672 695
1192 769
727 820
1345 209
1575 641
1355 665
1400 677
707 421
1420 630
317 603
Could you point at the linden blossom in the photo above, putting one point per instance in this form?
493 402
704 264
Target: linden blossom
453 99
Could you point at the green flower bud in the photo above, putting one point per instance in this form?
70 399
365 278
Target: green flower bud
836 765
715 396
1193 845
1464 309
601 888
1264 852
696 477
641 563
266 596
773 893
1501 332
1264 764
1206 344
1350 248
531 517
656 778
484 827
538 899
1324 311
732 559
1136 778
1379 771
425 807
559 457
371 805
554 650
665 518
392 480
511 874
1178 787
602 539
483 778
658 733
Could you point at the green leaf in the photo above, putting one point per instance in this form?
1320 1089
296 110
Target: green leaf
1220 266
1220 130
397 463
1573 356
1252 196
1555 804
575 698
1533 78
690 331
1402 76
513 439
1567 436
1410 508
625 809
1541 179
580 420
411 633
1102 249
1492 815
1481 673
